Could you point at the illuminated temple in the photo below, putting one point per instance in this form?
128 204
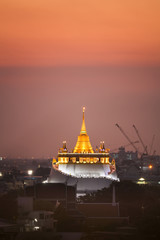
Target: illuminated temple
89 169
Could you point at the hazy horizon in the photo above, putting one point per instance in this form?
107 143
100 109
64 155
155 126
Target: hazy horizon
41 107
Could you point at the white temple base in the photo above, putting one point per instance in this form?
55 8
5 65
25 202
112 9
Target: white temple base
88 178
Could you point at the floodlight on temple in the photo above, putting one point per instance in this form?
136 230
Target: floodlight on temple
83 161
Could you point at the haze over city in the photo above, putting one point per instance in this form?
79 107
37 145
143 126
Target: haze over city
58 56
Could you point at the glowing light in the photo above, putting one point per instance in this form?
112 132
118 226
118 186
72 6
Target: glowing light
1 174
142 179
45 181
73 160
35 220
36 227
102 160
30 172
81 160
150 166
54 160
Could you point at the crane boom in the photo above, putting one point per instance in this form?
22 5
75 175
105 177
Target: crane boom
152 144
145 147
126 137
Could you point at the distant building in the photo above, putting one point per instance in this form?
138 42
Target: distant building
36 207
122 155
45 196
40 220
99 215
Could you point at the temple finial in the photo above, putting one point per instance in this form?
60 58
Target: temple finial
83 128
83 144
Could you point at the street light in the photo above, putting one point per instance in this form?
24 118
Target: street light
150 166
30 172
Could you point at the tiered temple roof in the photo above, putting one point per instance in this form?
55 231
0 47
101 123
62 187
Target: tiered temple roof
83 144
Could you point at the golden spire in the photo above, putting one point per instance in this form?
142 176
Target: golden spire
83 128
83 144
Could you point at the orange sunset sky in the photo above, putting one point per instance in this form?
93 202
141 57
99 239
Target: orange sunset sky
79 32
57 56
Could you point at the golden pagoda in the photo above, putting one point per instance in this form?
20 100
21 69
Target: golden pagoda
83 161
83 144
89 170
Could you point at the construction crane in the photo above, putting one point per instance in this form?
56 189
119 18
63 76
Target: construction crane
154 152
127 137
145 147
153 138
